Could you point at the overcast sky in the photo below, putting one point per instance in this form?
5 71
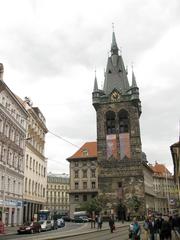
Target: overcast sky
50 49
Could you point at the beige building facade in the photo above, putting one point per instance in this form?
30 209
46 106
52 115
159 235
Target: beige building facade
83 176
58 194
12 145
166 191
35 168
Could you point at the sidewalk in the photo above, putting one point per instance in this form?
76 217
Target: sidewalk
10 230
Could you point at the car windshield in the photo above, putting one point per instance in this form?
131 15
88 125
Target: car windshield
41 222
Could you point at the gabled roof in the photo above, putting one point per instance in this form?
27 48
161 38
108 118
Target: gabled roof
88 150
160 169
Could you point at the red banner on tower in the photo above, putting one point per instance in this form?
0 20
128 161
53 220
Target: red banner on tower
124 145
111 145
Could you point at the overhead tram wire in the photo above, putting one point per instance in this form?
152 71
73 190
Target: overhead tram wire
63 139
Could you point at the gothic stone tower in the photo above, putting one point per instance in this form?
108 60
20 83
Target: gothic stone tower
118 108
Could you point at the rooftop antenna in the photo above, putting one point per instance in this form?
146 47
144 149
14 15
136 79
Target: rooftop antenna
113 27
132 66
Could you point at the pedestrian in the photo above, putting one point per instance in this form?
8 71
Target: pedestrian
159 221
166 229
99 222
153 228
146 228
111 224
136 230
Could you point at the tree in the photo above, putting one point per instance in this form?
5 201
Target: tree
134 204
92 205
95 204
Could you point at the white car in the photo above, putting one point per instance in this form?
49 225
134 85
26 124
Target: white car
60 222
45 225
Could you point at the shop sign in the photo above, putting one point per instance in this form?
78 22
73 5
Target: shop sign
13 203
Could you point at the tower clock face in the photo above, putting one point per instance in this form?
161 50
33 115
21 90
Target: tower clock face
115 96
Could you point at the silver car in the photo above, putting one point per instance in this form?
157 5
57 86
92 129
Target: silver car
45 225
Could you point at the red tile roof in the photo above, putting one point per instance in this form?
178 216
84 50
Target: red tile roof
160 169
88 150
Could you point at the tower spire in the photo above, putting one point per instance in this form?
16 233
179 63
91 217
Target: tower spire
95 83
114 47
134 84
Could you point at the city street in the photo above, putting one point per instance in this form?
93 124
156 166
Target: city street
75 231
119 233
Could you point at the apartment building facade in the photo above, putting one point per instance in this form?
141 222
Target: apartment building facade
35 168
83 176
58 193
166 191
12 149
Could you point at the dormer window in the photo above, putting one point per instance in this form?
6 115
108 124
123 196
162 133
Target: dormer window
85 152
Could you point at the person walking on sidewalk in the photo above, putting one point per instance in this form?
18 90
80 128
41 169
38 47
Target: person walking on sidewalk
136 230
99 222
146 228
111 224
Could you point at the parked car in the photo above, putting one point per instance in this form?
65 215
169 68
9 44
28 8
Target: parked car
45 225
78 219
84 218
67 218
60 222
54 224
30 228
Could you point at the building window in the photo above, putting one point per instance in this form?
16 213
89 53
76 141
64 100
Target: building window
93 196
1 125
76 197
84 163
84 185
93 184
76 185
76 174
93 173
110 122
84 173
123 121
30 163
84 197
33 165
27 156
76 164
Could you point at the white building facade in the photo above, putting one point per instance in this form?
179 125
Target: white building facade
12 144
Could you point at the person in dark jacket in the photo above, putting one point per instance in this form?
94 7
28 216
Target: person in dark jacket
111 224
166 229
152 228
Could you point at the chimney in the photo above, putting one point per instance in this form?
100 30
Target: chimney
1 71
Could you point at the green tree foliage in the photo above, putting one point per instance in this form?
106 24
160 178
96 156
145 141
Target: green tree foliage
95 204
134 204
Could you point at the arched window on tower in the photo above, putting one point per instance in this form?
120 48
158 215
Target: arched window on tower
123 121
110 122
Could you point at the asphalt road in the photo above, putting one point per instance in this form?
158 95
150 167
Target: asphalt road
118 234
39 236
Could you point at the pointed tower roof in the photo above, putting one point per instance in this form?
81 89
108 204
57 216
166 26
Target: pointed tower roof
134 84
114 47
115 75
95 84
